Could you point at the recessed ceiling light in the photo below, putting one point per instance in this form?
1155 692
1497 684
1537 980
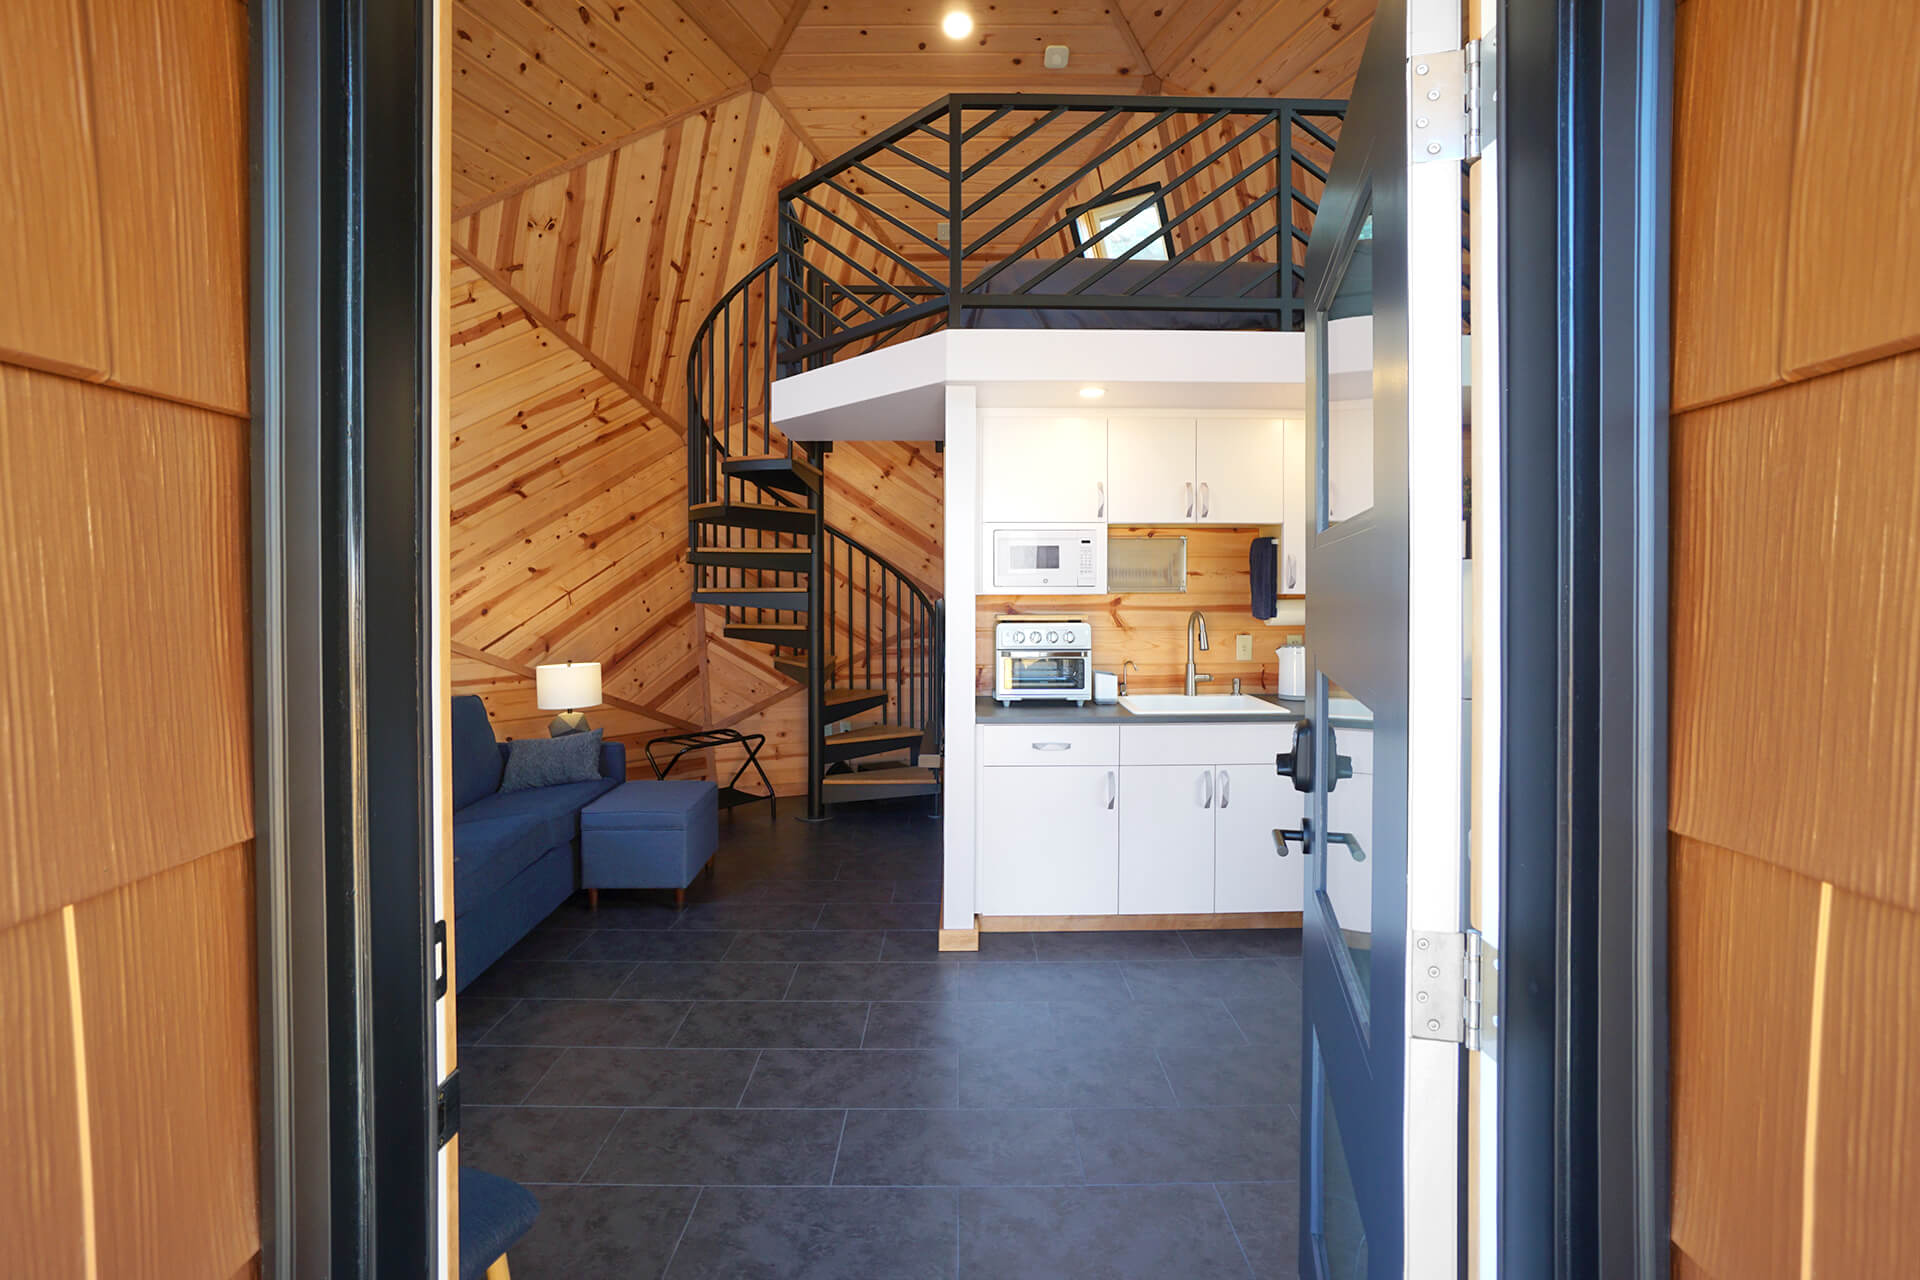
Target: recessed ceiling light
1092 393
958 24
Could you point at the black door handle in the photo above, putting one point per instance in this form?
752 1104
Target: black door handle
1298 763
1304 835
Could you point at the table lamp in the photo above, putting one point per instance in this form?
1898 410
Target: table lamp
566 687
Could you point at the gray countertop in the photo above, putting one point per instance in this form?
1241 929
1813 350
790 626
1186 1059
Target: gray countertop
987 711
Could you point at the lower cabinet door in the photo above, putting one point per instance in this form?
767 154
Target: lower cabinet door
1248 874
1049 841
1166 839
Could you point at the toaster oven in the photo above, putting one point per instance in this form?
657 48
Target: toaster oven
1042 657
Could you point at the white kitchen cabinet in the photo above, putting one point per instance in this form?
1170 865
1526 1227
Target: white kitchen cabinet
1295 509
1167 840
1150 474
1248 875
1049 841
1042 467
1239 470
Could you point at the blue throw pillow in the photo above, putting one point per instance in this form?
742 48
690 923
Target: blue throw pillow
548 762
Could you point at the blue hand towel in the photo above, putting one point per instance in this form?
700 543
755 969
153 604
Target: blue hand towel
1263 573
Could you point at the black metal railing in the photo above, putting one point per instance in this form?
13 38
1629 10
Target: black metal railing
881 624
984 202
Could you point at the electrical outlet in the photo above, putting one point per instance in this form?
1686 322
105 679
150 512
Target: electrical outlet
1243 647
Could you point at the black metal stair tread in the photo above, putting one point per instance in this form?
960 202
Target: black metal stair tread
777 559
896 776
770 516
775 471
792 669
840 697
799 628
785 635
877 733
791 599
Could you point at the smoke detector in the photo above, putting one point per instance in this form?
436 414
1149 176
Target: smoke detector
1056 57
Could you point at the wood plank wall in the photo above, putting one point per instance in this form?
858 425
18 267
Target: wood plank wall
1151 628
1795 665
127 996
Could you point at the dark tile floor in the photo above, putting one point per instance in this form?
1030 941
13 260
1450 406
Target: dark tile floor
788 1080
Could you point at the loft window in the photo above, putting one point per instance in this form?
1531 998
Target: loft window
1136 216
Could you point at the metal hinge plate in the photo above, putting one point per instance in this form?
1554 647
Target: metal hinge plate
1451 96
1449 987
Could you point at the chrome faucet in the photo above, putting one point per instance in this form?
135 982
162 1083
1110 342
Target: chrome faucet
1123 674
1196 618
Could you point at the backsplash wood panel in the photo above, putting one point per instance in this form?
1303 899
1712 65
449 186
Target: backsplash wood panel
1150 627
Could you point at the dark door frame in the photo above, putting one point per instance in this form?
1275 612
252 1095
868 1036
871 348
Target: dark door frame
340 188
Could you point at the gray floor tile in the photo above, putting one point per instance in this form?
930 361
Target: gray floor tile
645 1078
807 944
654 944
923 866
957 1148
602 1231
551 979
946 1025
618 909
534 1144
882 981
549 944
835 1233
1114 1233
1273 1018
720 1147
801 892
705 981
626 1023
930 890
502 1076
852 1078
1045 981
1235 944
1068 1076
1201 1144
475 1015
774 1024
1206 979
1233 1076
1147 944
1266 1217
923 945
1186 1023
879 915
725 915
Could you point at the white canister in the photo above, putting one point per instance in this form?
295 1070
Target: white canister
1290 678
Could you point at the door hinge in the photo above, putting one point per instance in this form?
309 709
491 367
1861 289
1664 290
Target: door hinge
446 1107
1451 100
1449 987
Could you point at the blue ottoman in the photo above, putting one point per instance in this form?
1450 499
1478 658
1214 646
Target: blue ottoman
649 835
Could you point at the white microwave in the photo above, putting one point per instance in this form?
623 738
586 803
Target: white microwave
1046 559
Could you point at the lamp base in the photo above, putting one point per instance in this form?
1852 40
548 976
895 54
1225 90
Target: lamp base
567 722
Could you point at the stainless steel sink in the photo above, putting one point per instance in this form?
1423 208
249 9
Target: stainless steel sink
1200 704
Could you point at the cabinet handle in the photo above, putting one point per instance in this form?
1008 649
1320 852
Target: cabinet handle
1113 791
1205 502
1208 802
1189 499
1053 746
1226 788
1289 571
1100 488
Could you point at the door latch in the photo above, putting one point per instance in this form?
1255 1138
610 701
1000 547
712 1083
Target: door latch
1449 988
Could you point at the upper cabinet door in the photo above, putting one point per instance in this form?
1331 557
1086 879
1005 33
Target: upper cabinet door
1240 470
1150 471
1293 516
1043 467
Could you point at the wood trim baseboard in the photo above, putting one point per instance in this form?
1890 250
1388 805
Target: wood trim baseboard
1117 924
960 939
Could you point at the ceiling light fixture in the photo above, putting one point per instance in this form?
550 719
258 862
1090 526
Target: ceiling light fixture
1092 393
958 24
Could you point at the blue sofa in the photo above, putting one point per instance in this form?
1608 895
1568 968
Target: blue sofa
515 856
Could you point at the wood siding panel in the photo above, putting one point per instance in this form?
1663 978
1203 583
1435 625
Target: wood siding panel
124 568
1867 1153
1853 260
1796 550
169 1003
1735 63
41 1178
169 86
51 256
1743 936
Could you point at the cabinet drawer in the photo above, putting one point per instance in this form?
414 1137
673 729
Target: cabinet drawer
1205 743
1055 744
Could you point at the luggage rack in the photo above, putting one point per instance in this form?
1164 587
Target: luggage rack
731 796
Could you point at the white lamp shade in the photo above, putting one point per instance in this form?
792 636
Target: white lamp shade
568 686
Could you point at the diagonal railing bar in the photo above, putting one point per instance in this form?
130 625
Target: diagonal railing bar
1244 250
885 286
1172 184
926 164
1259 280
1026 132
994 117
1082 170
1187 254
1314 131
927 202
1119 184
884 216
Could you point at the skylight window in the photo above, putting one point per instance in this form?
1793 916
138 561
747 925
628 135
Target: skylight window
1131 218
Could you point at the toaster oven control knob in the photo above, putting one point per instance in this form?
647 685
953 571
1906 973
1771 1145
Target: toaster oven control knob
1019 637
1053 637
